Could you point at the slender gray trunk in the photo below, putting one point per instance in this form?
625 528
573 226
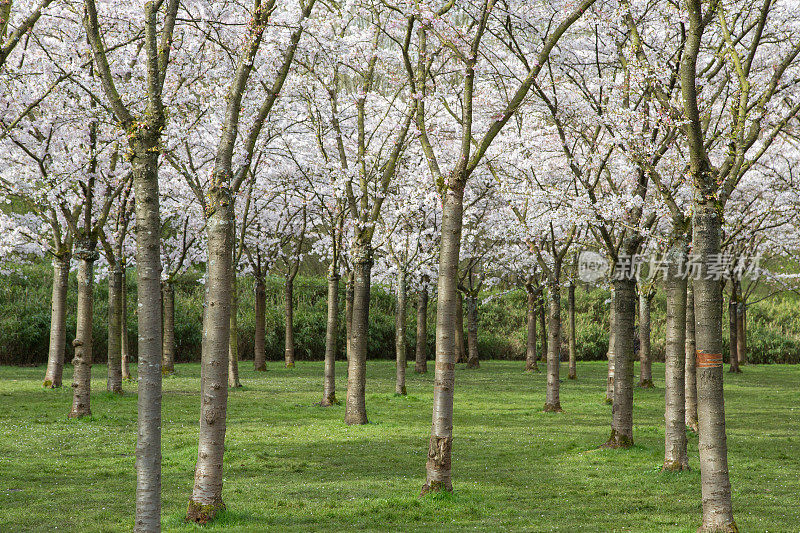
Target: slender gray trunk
645 364
733 344
114 382
58 322
438 476
259 350
472 332
288 290
741 331
82 362
348 312
530 353
690 386
622 407
148 269
714 480
675 455
400 335
233 343
331 333
124 341
553 401
168 344
573 363
612 342
356 407
206 499
460 346
542 321
421 365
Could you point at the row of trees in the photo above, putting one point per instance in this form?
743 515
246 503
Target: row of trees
436 147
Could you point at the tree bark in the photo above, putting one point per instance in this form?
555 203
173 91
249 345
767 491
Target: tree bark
438 474
612 341
732 328
233 343
460 346
400 335
421 366
168 344
741 331
690 386
289 314
714 480
573 364
355 407
114 382
542 322
331 334
148 269
675 455
348 312
622 407
58 323
82 362
124 341
473 360
530 354
206 499
645 364
259 350
553 401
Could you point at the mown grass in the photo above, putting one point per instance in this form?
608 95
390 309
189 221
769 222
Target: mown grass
293 466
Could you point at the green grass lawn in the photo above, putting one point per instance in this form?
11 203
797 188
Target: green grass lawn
293 466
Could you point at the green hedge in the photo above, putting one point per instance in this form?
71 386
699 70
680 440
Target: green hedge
773 324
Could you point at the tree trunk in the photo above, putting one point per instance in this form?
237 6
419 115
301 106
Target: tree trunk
206 499
460 345
168 345
732 329
438 475
612 342
331 333
114 382
714 480
530 354
82 362
622 407
421 365
259 350
124 341
400 335
233 343
58 323
645 365
690 386
553 401
675 455
289 314
741 331
573 364
542 327
348 312
472 332
356 408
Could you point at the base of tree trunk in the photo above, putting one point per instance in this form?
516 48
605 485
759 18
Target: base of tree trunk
727 528
289 365
553 408
79 414
532 368
167 371
201 513
435 487
115 390
676 466
355 419
572 375
50 385
473 364
235 385
618 440
329 402
262 368
693 425
609 401
401 393
421 369
646 384
734 370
